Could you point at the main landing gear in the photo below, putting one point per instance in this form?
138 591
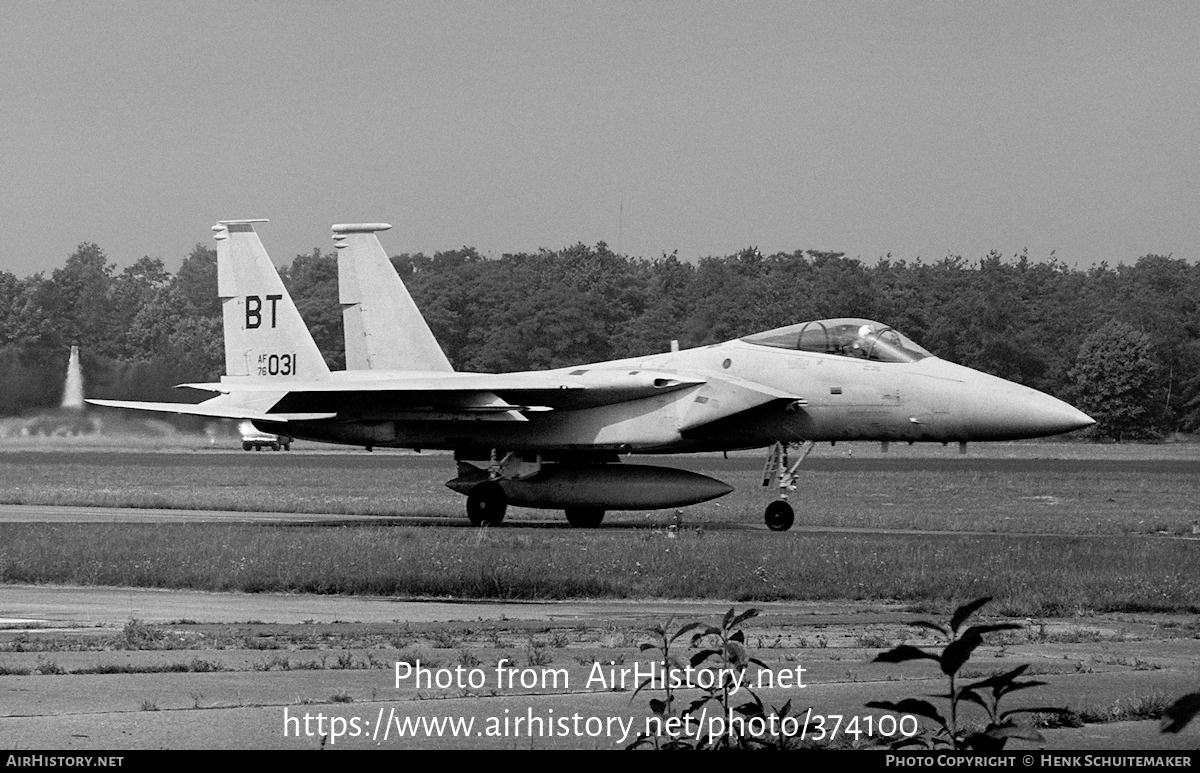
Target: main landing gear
585 517
486 504
779 515
510 477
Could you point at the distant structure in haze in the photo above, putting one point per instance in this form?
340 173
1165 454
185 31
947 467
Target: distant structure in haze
73 392
68 420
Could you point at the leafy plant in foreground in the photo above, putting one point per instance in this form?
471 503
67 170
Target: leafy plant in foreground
986 693
724 648
1179 713
664 709
722 653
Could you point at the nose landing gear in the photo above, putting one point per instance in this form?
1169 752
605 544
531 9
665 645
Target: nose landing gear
779 515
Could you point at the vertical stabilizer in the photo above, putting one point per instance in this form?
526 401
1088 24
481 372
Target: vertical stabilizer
265 337
383 328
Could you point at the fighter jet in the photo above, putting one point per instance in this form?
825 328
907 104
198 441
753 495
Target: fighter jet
556 439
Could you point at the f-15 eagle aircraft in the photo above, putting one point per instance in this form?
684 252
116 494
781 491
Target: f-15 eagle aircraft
555 439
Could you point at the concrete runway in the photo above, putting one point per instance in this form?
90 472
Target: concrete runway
228 669
78 514
39 606
1041 490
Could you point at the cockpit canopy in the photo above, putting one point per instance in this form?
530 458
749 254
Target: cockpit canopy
847 337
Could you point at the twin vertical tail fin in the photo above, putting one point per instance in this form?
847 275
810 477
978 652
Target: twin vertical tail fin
384 329
265 337
267 340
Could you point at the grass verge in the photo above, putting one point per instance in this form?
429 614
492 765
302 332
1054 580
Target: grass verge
1047 576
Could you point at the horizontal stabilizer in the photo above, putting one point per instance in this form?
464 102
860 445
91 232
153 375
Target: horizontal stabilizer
223 411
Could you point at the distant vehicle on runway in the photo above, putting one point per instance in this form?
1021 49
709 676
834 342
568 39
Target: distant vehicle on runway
555 439
255 439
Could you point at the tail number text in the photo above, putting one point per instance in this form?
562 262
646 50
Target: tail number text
277 364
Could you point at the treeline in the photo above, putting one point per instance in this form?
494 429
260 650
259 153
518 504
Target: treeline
1122 343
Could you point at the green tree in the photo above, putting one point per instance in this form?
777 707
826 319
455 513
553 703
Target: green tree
12 304
448 291
312 281
131 290
197 282
77 297
163 330
665 302
1114 377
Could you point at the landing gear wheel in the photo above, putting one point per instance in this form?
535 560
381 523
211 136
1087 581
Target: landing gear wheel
486 504
274 446
585 517
246 446
780 516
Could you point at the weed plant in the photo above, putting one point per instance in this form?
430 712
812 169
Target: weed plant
717 649
951 732
1177 716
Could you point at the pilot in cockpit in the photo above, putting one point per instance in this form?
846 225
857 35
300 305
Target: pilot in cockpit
864 343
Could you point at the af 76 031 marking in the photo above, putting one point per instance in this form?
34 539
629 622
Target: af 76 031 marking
277 364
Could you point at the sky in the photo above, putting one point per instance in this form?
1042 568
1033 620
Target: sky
919 129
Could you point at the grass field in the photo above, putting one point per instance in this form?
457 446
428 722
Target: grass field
1029 576
1048 529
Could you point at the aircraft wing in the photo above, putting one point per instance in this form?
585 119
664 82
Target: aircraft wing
473 396
725 396
404 391
379 381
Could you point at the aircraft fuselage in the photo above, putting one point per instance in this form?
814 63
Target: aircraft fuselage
839 398
550 437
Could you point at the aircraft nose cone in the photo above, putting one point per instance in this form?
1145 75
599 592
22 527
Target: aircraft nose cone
1008 411
992 408
1048 415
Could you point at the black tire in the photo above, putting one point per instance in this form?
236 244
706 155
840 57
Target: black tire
486 504
257 447
287 446
274 446
780 516
585 517
246 446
